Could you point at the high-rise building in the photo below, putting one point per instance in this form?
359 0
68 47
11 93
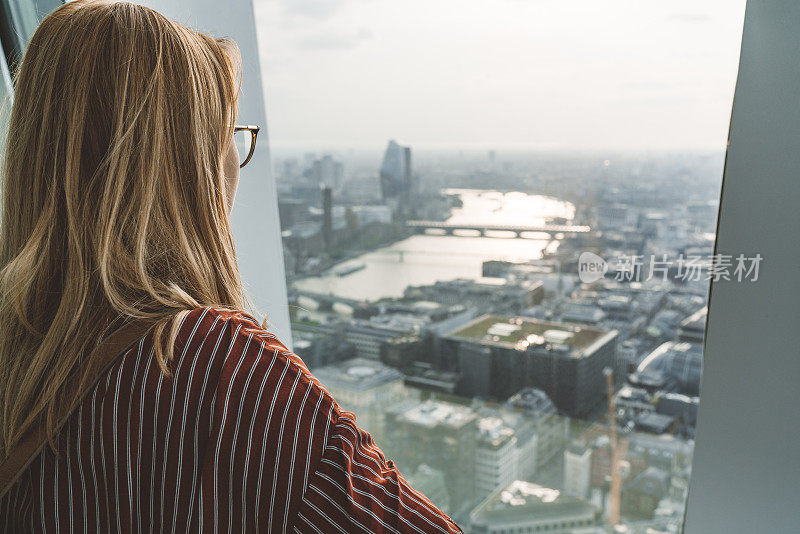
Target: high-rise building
327 217
397 179
326 171
506 354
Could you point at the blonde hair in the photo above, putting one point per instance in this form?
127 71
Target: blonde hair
113 201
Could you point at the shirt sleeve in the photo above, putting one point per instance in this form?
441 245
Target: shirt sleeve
355 489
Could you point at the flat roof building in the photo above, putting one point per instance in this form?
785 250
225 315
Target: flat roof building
482 292
499 355
496 462
365 387
526 507
439 434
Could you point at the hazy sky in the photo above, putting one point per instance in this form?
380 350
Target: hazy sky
499 73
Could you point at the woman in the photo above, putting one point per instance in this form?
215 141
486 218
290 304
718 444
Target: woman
119 175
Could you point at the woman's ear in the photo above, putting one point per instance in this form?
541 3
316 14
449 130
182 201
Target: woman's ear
230 170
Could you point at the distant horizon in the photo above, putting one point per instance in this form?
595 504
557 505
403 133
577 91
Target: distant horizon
282 149
508 75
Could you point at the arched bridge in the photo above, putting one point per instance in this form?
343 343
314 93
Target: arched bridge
448 227
326 301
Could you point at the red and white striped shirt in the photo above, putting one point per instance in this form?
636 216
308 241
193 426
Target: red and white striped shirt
241 438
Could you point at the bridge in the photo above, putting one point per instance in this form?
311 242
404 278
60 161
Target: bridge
449 228
326 301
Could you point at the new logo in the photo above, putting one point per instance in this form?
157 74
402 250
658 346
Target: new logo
591 267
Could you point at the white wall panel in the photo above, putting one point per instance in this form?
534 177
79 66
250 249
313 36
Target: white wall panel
746 472
255 213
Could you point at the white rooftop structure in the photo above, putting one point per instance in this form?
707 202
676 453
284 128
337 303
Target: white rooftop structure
358 374
503 329
436 413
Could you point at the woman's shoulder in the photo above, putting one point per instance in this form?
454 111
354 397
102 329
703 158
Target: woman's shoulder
243 356
257 418
205 319
219 330
226 332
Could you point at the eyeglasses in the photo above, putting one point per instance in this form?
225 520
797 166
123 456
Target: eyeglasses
245 139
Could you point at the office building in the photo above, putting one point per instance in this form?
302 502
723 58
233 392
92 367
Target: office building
396 176
673 366
483 293
577 469
439 434
368 337
499 356
550 429
365 387
526 507
495 455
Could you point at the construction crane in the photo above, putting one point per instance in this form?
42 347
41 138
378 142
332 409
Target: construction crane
618 452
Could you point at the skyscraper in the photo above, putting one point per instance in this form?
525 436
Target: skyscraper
327 217
397 182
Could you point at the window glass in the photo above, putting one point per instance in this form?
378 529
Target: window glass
5 82
498 226
5 97
23 14
26 14
498 223
19 21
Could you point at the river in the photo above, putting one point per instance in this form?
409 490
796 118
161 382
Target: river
426 258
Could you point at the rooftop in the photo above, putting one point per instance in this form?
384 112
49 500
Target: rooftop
522 499
432 413
652 481
654 422
577 448
522 332
357 374
493 433
583 313
534 401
